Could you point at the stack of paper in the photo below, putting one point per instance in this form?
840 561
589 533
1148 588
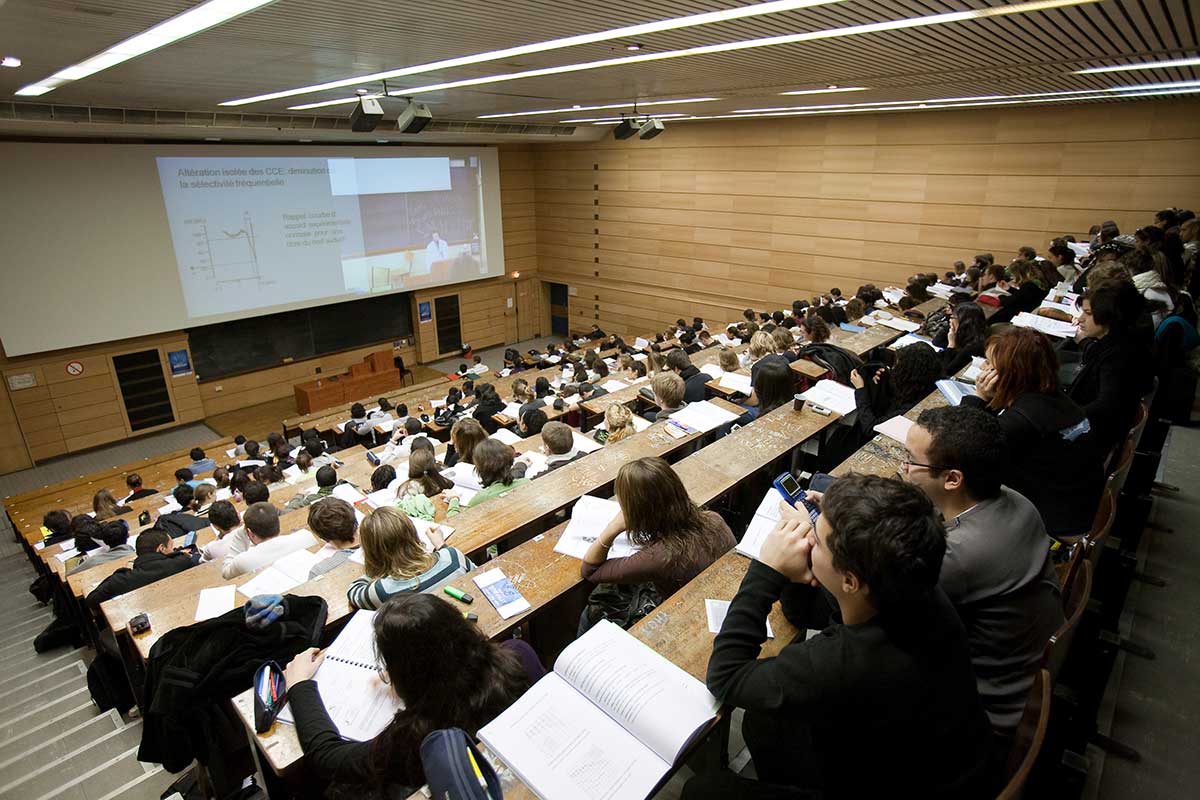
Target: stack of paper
940 290
736 382
898 324
704 416
348 493
1050 327
832 395
896 428
585 444
1069 310
908 338
614 385
589 517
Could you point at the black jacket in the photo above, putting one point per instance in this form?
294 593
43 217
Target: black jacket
483 413
140 493
1053 459
1027 297
954 358
180 523
693 383
1115 372
147 568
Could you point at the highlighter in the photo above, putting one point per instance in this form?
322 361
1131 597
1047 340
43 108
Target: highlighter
459 594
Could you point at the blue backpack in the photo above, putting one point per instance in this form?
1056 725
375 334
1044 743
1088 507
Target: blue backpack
455 769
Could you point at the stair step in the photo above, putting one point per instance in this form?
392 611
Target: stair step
24 630
63 741
42 682
29 737
28 612
30 704
102 781
148 787
41 714
94 762
32 659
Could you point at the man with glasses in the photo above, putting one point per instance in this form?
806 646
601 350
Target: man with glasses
997 570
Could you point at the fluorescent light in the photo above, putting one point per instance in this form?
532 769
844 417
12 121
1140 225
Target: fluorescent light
830 90
10 61
1192 61
770 41
675 23
618 119
630 104
193 21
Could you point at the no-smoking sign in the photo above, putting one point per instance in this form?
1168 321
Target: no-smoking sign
74 368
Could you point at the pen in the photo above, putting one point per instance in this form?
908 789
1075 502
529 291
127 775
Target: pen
459 594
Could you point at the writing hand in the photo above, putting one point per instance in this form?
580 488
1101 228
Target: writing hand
303 666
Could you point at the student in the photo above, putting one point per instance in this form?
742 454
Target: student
382 477
678 539
114 545
907 382
1028 295
255 492
761 345
884 696
200 462
136 491
316 451
694 379
997 571
363 424
814 330
301 469
327 479
589 391
965 339
231 535
105 507
495 469
333 521
266 544
183 521
773 387
253 458
465 436
636 371
86 533
239 445
396 562
154 561
202 498
559 440
423 477
56 527
785 343
618 423
727 360
532 422
221 478
1051 457
282 456
687 340
477 366
400 445
668 390
417 637
1062 257
489 405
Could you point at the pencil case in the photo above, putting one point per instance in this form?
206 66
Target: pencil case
270 695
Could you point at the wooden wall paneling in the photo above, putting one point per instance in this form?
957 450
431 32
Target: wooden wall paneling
14 455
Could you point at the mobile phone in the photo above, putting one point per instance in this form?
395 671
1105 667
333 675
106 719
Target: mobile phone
794 493
139 623
189 540
144 518
374 459
501 593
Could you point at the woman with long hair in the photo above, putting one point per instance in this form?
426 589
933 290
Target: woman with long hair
677 539
416 637
1051 456
618 421
106 507
773 387
465 436
814 329
908 382
424 478
494 463
396 561
965 339
1027 290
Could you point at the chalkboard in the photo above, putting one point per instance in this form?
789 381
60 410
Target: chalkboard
245 345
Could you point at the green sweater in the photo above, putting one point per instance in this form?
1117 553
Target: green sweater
495 490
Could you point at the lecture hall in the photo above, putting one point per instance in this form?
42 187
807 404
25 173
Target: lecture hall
653 400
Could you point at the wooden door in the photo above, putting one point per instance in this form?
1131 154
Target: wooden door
528 309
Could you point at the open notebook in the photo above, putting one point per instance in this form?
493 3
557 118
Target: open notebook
358 701
608 722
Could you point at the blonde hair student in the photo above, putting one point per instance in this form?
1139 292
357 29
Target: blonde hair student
396 561
618 420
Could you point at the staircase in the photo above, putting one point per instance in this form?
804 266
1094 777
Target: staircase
54 742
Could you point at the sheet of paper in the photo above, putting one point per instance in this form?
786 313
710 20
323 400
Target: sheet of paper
39 545
384 497
386 425
584 444
614 385
296 565
716 610
640 356
269 581
223 494
1050 327
835 396
867 322
571 400
170 506
893 295
640 344
736 382
348 493
896 428
66 554
1069 310
971 373
215 601
766 516
589 517
512 410
506 436
899 324
231 453
704 416
908 338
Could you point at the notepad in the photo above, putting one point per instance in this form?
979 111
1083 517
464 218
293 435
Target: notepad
512 410
506 436
589 516
348 493
898 324
282 576
954 391
717 610
765 518
895 428
835 396
703 416
584 444
609 721
614 385
359 703
736 382
215 601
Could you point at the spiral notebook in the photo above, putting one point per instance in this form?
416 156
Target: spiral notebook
358 701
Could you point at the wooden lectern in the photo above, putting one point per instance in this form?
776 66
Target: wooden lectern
376 375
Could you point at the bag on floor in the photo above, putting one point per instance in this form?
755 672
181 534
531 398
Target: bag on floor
58 633
108 684
450 760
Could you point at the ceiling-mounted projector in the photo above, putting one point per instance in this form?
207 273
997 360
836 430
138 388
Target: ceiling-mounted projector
651 129
366 115
414 118
624 129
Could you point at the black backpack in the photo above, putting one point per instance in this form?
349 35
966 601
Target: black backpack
838 360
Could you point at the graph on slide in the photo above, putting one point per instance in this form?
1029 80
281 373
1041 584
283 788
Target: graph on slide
225 253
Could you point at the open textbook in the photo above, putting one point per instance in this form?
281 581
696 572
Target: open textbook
606 724
589 516
766 517
954 391
360 704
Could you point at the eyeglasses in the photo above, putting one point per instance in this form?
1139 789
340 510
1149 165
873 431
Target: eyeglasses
908 463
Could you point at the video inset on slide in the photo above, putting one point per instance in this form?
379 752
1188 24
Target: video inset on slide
259 232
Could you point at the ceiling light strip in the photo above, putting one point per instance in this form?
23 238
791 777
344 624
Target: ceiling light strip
195 20
630 31
1192 61
572 109
770 41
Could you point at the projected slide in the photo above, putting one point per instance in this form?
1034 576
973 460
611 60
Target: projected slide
259 232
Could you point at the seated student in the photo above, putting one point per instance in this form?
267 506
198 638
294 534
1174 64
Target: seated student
560 447
333 521
590 391
489 404
965 339
301 470
727 360
105 507
889 677
749 315
785 343
327 479
221 478
183 521
200 462
282 456
255 492
383 477
896 390
1116 368
678 539
997 570
618 424
396 562
416 637
1026 292
239 445
231 535
363 424
202 498
814 330
112 538
253 457
687 340
425 481
761 344
773 387
56 527
477 366
855 309
400 445
155 559
705 340
598 371
1051 456
136 491
266 544
494 465
532 422
694 379
465 436
668 390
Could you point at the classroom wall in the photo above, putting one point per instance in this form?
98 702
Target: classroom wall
712 217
